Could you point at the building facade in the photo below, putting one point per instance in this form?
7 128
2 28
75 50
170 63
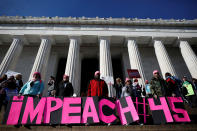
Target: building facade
80 46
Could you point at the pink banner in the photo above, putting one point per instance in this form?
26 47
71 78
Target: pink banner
89 104
50 109
68 109
31 112
172 101
130 108
163 106
15 110
104 118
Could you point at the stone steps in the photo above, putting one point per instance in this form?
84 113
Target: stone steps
167 127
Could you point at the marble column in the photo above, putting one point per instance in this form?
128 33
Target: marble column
105 61
12 55
163 59
135 60
189 57
42 57
73 62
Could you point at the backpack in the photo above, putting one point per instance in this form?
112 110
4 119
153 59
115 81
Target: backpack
184 91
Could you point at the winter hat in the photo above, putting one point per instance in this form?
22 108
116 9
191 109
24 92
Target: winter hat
127 79
97 72
66 76
155 71
37 73
135 80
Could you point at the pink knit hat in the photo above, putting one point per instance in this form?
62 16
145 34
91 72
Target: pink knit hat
37 73
155 71
97 72
135 80
127 79
66 76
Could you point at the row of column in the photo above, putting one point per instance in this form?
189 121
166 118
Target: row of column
73 59
165 63
163 58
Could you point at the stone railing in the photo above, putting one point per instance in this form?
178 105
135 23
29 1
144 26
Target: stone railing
96 21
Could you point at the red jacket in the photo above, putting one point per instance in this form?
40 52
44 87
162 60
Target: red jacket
97 88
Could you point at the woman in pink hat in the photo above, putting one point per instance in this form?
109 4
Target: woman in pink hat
127 89
33 87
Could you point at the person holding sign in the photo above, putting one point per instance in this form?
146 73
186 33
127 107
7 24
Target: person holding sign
33 87
97 87
190 93
157 85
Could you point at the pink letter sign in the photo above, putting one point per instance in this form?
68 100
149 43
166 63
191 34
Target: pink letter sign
126 110
103 117
178 100
89 105
68 108
15 110
158 107
50 109
33 113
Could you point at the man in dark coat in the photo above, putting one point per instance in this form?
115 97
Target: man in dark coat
97 87
65 88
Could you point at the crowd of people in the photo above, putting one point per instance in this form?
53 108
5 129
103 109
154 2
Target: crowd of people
157 87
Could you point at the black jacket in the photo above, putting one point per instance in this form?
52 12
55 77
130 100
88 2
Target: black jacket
65 91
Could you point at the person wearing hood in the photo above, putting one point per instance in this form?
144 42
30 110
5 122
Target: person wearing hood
97 86
137 88
157 85
65 88
33 87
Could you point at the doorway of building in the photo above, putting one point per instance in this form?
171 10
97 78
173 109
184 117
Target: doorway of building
88 68
194 49
60 70
117 68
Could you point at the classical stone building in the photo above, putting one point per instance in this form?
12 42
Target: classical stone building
80 46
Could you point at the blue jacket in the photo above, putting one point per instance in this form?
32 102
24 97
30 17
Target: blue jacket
36 89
